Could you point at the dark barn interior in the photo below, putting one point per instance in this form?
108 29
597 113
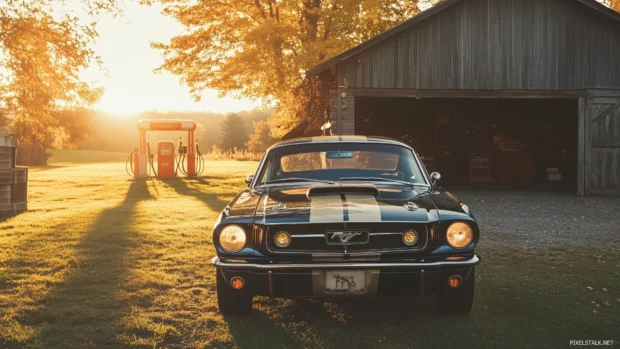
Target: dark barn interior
510 142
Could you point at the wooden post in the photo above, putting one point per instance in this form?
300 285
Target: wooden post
587 158
581 147
338 106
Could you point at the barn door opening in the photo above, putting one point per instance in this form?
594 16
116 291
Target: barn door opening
483 143
602 143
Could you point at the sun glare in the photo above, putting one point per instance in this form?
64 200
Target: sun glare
130 84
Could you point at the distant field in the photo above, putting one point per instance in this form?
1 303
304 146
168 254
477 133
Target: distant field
101 261
64 157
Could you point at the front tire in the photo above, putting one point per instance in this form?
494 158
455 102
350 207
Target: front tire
231 301
457 300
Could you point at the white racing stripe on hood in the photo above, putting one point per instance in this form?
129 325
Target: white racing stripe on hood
326 208
363 208
358 208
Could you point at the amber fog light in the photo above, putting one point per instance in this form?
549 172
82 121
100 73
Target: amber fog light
237 283
455 281
459 235
282 239
410 237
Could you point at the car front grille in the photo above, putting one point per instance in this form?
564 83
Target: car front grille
374 237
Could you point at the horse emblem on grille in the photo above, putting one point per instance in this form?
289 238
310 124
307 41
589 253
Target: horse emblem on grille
347 237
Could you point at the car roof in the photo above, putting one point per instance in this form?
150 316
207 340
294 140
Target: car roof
341 139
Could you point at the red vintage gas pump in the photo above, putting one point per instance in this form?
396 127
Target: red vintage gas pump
140 163
165 159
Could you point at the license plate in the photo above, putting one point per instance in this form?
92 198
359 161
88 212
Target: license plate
345 281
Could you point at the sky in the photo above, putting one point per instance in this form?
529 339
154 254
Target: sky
130 84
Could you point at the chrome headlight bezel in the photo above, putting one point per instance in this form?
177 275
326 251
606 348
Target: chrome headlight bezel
456 244
237 238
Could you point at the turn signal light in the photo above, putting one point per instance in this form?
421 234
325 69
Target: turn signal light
237 283
410 237
282 239
455 281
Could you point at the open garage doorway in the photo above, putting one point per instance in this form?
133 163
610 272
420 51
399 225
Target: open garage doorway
499 143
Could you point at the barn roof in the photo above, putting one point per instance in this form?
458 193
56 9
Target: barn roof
593 4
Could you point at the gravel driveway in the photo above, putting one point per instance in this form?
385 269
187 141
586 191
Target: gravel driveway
540 219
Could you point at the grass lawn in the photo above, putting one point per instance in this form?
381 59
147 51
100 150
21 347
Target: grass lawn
101 261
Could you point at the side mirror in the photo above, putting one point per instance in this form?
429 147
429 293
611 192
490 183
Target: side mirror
435 176
249 179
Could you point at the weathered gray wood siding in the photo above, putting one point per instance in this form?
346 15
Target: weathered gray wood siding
603 142
493 45
345 124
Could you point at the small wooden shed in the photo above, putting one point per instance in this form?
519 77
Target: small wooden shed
468 80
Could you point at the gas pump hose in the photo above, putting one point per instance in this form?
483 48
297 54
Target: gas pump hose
129 164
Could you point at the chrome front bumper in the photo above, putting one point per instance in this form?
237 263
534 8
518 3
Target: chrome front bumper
347 265
309 279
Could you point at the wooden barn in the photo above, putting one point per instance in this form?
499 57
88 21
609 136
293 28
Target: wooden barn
508 92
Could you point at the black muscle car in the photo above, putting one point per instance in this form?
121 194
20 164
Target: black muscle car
344 216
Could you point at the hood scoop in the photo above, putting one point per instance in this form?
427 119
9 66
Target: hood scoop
337 189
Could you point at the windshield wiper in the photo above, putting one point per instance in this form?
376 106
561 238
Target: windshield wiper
284 180
376 179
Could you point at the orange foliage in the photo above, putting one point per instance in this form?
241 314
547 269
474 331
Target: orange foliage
42 54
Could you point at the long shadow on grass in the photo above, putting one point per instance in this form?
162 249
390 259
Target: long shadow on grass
209 179
84 311
212 200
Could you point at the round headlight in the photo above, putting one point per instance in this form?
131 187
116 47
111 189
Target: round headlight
410 237
459 235
282 239
232 238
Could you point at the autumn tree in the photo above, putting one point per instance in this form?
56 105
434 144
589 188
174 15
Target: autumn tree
234 132
262 48
261 139
614 4
43 47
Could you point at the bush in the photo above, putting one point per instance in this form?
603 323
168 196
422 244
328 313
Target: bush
235 153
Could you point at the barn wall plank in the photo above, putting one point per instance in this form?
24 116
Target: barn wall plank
348 116
493 45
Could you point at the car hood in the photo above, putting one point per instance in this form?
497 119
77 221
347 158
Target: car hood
289 204
350 203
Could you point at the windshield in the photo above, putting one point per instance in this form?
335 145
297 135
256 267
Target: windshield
339 161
